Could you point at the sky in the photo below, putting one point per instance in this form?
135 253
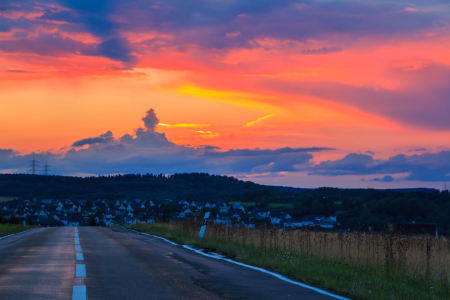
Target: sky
350 94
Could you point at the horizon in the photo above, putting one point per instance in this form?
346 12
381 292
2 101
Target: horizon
346 94
276 186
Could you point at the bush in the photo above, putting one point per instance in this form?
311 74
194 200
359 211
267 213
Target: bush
92 221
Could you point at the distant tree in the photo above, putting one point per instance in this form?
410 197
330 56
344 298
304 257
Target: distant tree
89 203
14 220
92 221
168 209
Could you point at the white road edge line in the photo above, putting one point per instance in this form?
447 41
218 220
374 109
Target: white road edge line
80 270
79 292
15 234
250 267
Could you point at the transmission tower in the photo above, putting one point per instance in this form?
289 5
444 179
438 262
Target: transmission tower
33 166
46 169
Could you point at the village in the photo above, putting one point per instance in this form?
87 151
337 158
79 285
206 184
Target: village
103 212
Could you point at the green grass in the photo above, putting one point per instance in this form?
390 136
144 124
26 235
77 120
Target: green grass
281 205
271 205
351 280
242 203
7 229
6 199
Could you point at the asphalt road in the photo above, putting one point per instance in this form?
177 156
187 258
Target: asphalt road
120 264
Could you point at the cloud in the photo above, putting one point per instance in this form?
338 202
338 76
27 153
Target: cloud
221 25
323 50
150 120
184 125
117 49
423 167
102 139
387 178
7 153
267 152
150 151
258 120
406 105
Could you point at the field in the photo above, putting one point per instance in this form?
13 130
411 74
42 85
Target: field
5 199
7 229
271 205
360 266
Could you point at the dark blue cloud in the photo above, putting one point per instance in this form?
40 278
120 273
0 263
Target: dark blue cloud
387 178
102 139
423 167
117 49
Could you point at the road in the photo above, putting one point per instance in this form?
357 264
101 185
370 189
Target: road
121 264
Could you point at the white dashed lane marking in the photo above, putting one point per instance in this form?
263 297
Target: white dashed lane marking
79 292
81 271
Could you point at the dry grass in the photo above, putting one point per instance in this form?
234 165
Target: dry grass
388 266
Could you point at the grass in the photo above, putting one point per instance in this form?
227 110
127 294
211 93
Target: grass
281 205
242 203
271 205
6 199
7 229
338 263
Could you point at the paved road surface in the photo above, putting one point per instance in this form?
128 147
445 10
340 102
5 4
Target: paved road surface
120 264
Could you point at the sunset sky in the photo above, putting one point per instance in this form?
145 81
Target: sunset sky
305 94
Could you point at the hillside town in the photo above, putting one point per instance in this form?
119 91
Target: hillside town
65 212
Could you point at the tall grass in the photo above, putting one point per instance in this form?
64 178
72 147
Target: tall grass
361 265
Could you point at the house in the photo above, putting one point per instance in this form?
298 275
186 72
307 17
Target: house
200 205
334 216
294 222
223 219
181 207
276 217
186 214
220 202
238 206
259 213
249 224
325 224
315 218
184 202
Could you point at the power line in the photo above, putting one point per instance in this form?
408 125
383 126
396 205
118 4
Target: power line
46 168
33 166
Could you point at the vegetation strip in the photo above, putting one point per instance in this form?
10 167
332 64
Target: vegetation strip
7 230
